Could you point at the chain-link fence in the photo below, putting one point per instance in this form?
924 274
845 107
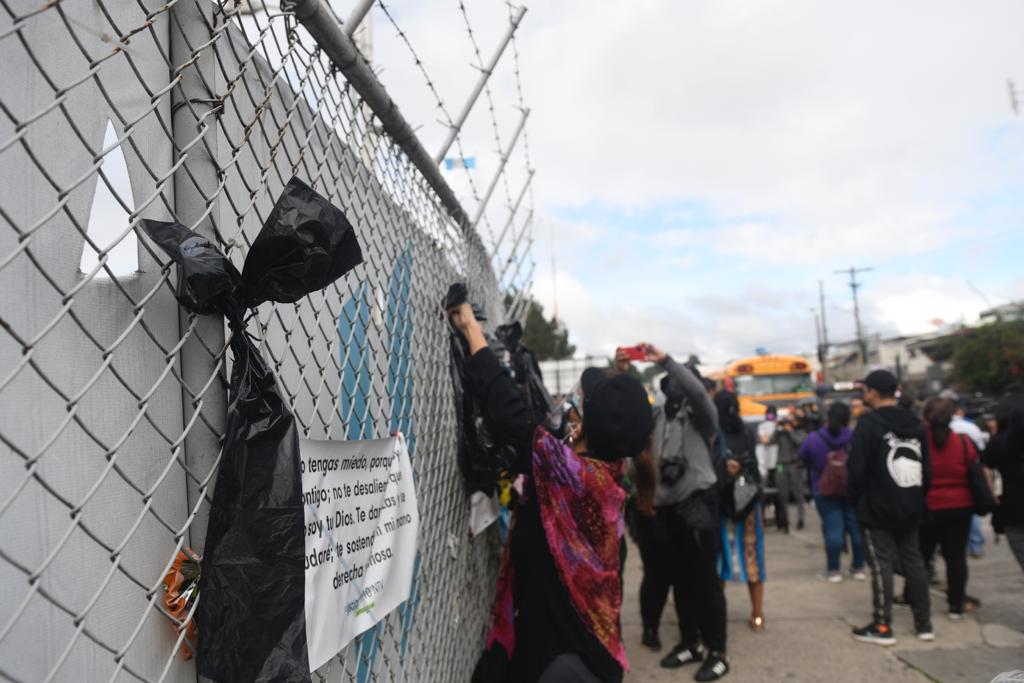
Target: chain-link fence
112 400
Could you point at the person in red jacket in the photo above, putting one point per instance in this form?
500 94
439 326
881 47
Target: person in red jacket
950 505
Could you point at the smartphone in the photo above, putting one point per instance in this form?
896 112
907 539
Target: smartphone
632 352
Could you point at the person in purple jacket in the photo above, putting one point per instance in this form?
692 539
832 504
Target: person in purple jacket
837 514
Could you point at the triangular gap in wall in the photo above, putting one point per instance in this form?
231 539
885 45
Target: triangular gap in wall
107 218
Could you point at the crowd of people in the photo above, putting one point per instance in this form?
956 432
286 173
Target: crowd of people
694 483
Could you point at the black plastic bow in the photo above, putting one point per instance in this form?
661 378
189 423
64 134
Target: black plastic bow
251 616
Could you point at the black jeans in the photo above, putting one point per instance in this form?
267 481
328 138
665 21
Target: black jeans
886 547
950 530
699 590
652 539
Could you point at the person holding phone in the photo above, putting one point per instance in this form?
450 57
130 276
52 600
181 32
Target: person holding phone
556 615
686 500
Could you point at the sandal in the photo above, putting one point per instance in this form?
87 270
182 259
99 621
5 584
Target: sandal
756 624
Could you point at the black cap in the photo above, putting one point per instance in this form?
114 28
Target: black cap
882 381
616 414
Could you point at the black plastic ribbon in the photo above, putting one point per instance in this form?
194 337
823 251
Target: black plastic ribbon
251 607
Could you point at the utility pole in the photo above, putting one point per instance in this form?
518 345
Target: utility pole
1014 97
823 350
854 286
817 330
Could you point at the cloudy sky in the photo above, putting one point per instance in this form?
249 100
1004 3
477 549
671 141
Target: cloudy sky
702 164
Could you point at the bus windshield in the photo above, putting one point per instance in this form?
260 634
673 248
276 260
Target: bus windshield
759 385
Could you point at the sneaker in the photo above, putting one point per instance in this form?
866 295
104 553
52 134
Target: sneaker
713 668
859 575
651 640
878 634
957 616
924 632
900 601
680 656
831 577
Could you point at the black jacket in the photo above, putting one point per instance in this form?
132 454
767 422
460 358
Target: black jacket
1005 452
889 469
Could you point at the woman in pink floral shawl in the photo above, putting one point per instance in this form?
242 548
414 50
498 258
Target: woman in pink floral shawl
556 616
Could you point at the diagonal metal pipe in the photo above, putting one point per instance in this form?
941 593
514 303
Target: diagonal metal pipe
357 15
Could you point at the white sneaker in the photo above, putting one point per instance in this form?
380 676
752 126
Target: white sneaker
859 575
831 577
957 616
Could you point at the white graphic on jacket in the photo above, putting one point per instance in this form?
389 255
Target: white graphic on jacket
904 461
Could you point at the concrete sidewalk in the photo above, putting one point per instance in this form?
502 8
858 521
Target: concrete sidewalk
808 624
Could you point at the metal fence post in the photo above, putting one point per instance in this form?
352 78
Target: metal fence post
195 108
357 15
501 169
456 126
512 214
515 247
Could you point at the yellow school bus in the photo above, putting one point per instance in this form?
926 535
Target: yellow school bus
762 381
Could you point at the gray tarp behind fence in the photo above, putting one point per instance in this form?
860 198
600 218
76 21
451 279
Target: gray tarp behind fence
112 400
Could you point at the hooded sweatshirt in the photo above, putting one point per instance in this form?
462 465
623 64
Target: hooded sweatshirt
816 447
682 442
889 470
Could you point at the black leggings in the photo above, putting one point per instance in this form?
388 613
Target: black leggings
652 540
949 529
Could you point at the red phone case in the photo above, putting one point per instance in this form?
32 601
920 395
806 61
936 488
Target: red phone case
633 352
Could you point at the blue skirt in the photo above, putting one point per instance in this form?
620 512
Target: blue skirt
741 551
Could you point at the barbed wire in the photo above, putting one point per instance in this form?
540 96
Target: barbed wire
432 87
517 74
498 146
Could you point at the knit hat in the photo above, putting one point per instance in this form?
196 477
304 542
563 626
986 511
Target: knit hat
616 414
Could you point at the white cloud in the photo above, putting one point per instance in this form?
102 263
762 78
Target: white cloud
815 133
914 304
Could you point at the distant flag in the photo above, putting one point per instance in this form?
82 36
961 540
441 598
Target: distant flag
460 162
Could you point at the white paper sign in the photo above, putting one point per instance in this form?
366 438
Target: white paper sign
361 525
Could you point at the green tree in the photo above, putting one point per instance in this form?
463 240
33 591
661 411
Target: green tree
990 357
548 339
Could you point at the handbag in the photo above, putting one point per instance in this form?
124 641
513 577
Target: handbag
745 492
977 482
